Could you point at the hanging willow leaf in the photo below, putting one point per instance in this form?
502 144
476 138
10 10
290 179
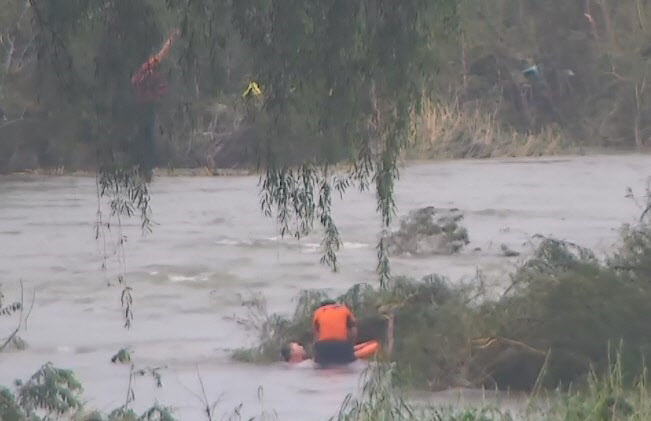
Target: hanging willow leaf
341 81
10 309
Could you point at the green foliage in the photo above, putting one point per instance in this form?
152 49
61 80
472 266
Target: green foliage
9 309
341 81
93 416
633 258
297 196
381 400
157 413
327 68
127 192
274 330
550 327
570 304
9 408
123 356
51 389
605 397
587 85
122 414
53 393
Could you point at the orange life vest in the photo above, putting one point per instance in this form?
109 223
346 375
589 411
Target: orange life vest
331 322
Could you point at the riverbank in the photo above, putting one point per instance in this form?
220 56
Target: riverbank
157 172
410 158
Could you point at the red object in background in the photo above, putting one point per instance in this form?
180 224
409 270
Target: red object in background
150 86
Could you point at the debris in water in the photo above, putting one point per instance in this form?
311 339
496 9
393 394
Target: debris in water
429 231
508 252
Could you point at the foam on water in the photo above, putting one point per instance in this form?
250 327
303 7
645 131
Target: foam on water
182 278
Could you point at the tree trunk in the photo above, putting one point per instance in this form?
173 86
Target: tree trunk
10 54
638 136
390 336
639 142
641 16
464 64
605 11
588 15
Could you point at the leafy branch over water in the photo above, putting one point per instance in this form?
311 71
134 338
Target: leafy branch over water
339 84
127 193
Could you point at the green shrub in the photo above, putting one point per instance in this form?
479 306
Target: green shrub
562 309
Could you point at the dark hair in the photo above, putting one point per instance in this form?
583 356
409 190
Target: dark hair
286 351
327 303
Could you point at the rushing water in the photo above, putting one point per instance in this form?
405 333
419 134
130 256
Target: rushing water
211 246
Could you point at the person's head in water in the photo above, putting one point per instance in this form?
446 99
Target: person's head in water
293 352
327 303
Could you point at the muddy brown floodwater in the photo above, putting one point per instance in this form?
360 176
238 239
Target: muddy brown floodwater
211 245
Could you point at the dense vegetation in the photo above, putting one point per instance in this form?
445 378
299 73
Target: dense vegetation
605 398
557 318
504 77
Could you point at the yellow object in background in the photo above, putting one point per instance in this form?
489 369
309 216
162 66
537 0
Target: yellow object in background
254 89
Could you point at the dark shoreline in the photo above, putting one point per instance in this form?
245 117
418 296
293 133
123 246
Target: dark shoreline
242 172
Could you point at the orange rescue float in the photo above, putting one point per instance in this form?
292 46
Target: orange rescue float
366 350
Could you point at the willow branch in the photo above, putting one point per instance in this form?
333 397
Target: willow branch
20 320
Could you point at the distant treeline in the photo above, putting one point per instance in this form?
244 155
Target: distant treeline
512 77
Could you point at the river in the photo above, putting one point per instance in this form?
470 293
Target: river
211 246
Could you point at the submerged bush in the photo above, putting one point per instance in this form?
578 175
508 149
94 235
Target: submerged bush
380 401
606 397
429 231
561 311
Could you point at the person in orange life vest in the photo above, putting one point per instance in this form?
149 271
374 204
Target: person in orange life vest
294 352
335 332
